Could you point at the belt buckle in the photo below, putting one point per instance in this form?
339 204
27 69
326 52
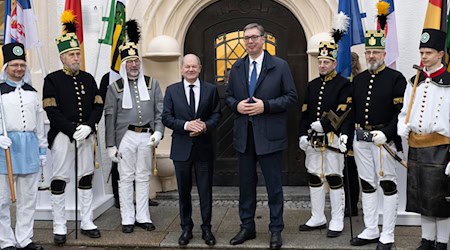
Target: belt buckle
138 129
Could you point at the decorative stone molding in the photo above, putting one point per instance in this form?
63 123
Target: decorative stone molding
163 48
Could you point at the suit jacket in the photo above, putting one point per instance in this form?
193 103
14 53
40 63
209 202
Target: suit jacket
176 113
275 86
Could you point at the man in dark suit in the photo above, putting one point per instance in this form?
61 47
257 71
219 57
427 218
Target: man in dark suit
260 90
192 111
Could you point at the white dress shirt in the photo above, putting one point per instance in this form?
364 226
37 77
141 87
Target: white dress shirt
259 61
187 92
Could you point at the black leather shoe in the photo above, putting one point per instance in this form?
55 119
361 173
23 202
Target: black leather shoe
361 242
9 248
127 229
381 246
59 239
333 234
209 238
146 226
32 246
243 236
305 227
93 233
276 241
426 245
152 203
185 237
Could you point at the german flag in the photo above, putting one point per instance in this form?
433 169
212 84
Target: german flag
436 18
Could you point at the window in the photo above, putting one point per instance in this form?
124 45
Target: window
230 48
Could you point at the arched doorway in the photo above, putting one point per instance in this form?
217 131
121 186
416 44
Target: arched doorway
214 36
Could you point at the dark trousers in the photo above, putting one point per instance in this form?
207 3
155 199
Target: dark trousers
203 169
353 180
115 180
271 165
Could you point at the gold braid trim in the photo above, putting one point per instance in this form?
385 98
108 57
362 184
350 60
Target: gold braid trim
98 100
342 107
398 100
304 107
49 102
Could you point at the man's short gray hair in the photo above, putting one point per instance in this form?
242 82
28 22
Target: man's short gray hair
255 25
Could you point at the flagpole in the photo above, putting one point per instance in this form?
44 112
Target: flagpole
101 37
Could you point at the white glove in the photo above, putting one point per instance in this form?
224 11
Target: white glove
113 153
43 159
447 169
379 137
343 143
82 132
317 126
155 139
5 142
303 142
403 129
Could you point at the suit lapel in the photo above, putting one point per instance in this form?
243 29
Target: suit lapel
182 96
244 74
266 65
202 99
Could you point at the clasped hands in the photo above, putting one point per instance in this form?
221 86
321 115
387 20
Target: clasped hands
246 107
196 127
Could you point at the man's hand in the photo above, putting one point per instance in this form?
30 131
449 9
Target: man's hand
196 126
255 108
155 139
343 143
82 133
5 142
303 142
379 138
317 126
113 153
403 129
447 169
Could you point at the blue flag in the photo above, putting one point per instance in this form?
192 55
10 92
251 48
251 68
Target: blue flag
354 35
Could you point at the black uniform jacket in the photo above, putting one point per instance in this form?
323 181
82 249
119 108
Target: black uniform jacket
71 101
325 93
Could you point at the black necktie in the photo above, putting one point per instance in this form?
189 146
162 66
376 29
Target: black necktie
192 99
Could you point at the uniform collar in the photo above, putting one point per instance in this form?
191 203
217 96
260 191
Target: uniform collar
329 76
69 73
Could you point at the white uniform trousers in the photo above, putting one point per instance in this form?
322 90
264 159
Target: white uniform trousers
135 165
26 188
367 158
63 161
331 163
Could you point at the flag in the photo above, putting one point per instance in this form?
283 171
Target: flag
115 36
354 36
436 18
75 7
20 24
390 33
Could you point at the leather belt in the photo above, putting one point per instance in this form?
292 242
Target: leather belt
369 127
140 129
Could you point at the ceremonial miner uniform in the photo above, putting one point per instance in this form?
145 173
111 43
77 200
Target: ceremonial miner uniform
329 92
428 135
24 121
377 100
133 110
74 107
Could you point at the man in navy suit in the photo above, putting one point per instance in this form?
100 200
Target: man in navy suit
260 90
192 111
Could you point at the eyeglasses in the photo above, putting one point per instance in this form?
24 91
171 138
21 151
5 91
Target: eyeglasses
131 62
16 65
253 38
373 52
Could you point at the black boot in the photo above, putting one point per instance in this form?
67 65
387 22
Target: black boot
441 246
59 239
427 245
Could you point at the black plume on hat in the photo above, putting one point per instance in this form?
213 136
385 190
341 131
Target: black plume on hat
13 51
133 31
